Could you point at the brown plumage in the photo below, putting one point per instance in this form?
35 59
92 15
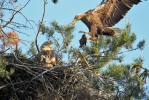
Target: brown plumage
46 56
83 40
104 16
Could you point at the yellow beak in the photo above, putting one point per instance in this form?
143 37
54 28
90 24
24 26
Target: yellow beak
74 21
51 42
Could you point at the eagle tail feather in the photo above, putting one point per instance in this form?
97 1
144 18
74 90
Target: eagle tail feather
112 31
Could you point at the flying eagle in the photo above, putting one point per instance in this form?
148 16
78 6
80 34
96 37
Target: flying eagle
46 56
101 19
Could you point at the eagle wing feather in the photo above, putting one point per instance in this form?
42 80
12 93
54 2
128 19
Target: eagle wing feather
112 11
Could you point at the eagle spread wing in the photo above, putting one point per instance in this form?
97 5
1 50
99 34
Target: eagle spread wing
112 11
100 20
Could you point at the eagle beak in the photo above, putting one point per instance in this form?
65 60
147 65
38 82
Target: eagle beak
51 42
74 21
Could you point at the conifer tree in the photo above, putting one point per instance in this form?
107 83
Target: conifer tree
94 72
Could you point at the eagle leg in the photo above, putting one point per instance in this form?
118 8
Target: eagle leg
93 33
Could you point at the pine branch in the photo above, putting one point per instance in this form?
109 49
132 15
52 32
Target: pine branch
90 67
128 50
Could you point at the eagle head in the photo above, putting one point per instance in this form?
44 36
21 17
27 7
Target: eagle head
46 46
78 17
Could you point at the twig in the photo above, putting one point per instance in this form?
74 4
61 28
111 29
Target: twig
127 51
14 84
14 90
23 69
40 24
48 70
15 14
90 67
95 55
1 52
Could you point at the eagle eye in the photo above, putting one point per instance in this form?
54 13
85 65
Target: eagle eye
76 17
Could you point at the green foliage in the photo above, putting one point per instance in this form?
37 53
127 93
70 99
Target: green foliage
32 50
137 65
61 35
115 71
20 54
117 77
141 44
144 75
139 72
119 81
3 72
125 39
109 48
94 67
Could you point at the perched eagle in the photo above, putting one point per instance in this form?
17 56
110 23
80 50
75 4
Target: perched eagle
101 19
47 56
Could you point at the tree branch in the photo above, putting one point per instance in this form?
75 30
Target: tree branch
40 25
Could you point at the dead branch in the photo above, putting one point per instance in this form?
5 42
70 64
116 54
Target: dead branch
40 25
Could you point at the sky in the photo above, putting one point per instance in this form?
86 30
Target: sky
65 10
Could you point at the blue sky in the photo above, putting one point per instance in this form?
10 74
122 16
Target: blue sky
65 10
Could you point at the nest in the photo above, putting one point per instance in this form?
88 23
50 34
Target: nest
31 81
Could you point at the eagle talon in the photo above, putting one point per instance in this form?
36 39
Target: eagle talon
102 19
93 39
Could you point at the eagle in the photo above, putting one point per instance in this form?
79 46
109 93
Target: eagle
46 56
101 19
